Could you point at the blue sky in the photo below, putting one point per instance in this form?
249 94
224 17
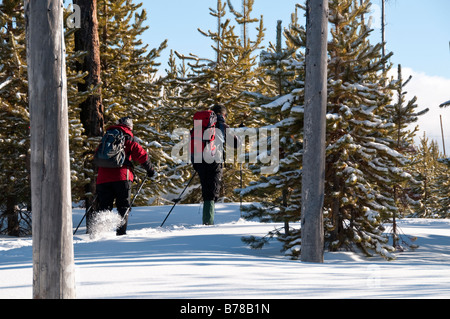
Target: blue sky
417 33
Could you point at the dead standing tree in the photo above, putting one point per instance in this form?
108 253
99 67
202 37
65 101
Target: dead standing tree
87 40
53 256
313 178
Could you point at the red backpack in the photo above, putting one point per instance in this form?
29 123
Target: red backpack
198 140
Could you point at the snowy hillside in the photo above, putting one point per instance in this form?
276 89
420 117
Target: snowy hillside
187 260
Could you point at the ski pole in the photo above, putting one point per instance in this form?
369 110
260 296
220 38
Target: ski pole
125 216
240 173
179 198
95 198
240 194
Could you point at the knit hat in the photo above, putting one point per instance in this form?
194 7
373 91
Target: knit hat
219 109
127 121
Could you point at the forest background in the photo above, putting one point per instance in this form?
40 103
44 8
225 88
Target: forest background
379 167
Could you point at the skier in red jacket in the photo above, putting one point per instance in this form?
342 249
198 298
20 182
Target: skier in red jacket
115 183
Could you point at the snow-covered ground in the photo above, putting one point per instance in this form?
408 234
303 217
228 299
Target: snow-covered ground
186 260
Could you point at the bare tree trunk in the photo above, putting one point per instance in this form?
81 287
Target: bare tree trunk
314 129
87 39
53 257
12 214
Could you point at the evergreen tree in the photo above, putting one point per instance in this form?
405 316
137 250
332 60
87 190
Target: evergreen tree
404 116
433 174
282 107
223 79
443 182
442 189
244 73
362 163
129 82
174 112
14 122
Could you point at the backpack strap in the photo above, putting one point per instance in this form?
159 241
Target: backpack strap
127 163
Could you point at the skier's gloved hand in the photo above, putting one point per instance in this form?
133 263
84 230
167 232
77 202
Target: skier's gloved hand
149 168
151 172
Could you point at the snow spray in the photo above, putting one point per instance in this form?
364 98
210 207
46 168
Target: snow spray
104 222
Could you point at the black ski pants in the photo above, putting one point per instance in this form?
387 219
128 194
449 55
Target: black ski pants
120 192
210 179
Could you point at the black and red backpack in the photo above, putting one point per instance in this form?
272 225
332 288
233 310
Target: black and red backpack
200 140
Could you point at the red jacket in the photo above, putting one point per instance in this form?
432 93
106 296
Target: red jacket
134 153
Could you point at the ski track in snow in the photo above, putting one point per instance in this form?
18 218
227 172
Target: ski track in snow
187 260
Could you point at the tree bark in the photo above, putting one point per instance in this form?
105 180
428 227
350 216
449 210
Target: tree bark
53 257
12 214
87 39
313 178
